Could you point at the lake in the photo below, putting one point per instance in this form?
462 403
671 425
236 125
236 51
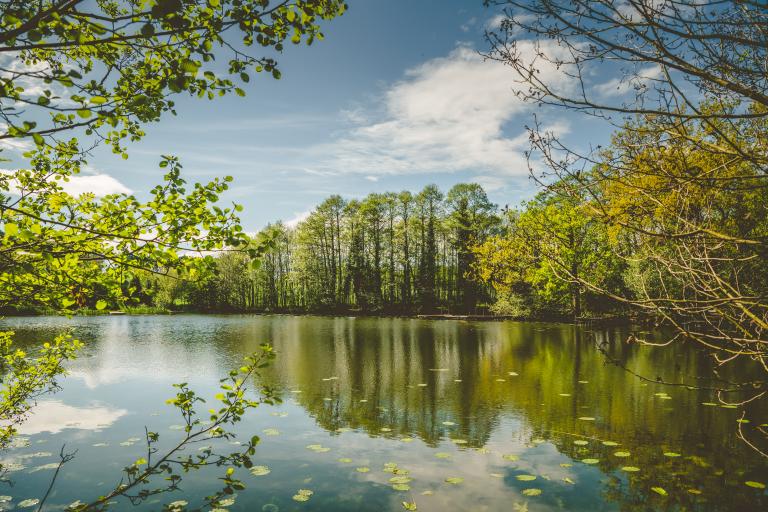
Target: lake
508 416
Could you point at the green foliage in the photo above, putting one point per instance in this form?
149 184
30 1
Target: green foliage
28 376
390 253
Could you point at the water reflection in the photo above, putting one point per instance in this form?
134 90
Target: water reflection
490 403
53 416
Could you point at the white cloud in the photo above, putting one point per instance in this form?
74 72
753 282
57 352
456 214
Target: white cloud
449 114
297 219
89 181
97 184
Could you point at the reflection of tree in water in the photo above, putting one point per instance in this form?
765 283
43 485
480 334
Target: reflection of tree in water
375 368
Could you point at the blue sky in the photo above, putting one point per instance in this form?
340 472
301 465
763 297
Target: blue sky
395 97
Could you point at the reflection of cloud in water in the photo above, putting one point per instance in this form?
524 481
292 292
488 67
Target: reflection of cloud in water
54 416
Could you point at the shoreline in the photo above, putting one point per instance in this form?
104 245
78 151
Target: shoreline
604 320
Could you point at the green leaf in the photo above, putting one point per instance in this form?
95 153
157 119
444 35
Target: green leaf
101 304
660 491
11 229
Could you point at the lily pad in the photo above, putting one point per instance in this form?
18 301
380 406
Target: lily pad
454 480
630 469
260 470
621 454
345 460
363 469
610 443
271 432
590 461
401 487
660 491
409 505
526 478
399 480
531 492
510 457
756 485
31 502
568 481
443 455
581 442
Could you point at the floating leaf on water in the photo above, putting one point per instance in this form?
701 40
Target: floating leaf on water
756 485
400 480
5 499
314 446
226 502
260 470
565 465
448 423
401 487
581 442
539 441
443 455
630 469
621 454
531 492
659 490
510 457
586 418
427 493
610 443
526 478
409 505
671 454
345 460
459 441
454 480
497 475
520 507
590 461
568 481
31 502
363 469
300 497
177 505
271 432
407 439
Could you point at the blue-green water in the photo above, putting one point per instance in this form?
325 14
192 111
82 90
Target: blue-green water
479 404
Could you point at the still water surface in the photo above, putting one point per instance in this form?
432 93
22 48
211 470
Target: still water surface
477 404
